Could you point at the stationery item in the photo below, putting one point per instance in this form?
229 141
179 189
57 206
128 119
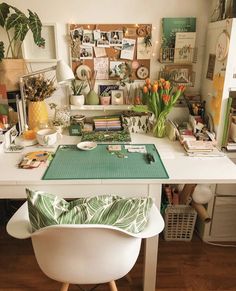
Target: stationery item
150 158
136 148
128 46
33 159
186 193
114 148
201 211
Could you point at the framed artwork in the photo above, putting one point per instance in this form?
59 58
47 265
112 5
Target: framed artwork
211 66
178 73
117 97
49 53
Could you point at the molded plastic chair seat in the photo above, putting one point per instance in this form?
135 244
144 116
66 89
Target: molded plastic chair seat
84 253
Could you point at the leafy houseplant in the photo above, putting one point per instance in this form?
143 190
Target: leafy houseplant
17 25
77 88
77 98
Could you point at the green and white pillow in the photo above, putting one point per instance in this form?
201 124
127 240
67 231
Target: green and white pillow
130 214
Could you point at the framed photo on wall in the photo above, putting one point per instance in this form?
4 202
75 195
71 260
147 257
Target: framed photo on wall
117 97
49 53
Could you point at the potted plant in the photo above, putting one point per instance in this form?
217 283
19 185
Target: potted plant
105 98
77 98
37 89
16 24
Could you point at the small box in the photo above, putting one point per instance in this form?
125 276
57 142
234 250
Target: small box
179 223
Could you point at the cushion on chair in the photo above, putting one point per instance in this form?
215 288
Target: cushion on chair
130 214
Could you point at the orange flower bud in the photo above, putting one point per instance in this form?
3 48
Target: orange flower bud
166 85
162 80
155 82
145 89
149 86
148 81
166 98
154 88
181 88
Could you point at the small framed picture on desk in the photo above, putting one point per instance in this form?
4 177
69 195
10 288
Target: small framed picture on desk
117 97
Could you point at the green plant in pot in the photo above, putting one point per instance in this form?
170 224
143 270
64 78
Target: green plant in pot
16 25
77 98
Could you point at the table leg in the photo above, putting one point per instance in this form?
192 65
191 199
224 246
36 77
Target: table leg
150 264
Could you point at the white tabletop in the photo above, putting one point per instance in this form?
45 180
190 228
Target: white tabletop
180 167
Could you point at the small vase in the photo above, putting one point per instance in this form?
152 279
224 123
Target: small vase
159 129
37 114
92 98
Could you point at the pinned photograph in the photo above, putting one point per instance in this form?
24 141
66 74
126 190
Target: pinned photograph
100 52
116 38
86 52
77 34
117 97
144 51
127 51
88 38
103 41
115 69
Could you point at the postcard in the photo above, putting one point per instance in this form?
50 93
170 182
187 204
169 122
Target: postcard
101 67
144 51
127 51
100 52
88 38
86 52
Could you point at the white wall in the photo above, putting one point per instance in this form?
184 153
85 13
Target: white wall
121 11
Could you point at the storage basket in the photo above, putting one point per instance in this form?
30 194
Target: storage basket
179 223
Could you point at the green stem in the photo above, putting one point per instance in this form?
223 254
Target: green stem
10 45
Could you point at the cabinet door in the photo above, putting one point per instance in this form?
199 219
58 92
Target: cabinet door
224 218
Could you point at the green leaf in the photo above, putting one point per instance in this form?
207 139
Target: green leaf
1 50
140 108
21 30
15 19
4 11
35 26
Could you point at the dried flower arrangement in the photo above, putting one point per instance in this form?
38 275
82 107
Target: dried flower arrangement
38 88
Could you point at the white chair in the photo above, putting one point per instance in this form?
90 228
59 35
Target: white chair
84 254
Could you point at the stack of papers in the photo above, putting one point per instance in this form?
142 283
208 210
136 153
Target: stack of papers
107 123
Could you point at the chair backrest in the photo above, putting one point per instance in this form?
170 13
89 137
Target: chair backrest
83 254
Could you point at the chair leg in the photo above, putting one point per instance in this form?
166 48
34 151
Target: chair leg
65 287
112 285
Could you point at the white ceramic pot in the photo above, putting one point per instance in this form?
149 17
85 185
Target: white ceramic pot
47 136
77 100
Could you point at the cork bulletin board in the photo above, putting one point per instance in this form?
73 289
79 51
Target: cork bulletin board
113 51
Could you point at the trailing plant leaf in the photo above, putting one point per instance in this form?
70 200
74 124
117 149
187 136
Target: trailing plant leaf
36 27
17 25
4 11
1 50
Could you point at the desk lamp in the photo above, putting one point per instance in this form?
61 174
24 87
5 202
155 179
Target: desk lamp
63 74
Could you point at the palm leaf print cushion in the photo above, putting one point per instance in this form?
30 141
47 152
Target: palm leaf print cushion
130 214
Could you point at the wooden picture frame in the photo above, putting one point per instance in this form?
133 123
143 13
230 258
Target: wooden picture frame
117 97
49 53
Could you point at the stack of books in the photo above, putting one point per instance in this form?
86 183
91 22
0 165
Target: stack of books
110 123
198 146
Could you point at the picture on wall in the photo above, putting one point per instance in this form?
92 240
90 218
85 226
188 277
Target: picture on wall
116 38
127 51
86 52
115 69
103 41
101 67
117 97
88 38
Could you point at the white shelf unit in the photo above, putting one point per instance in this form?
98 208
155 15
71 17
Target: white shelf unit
101 107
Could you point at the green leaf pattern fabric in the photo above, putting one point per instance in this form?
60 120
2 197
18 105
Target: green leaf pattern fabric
130 214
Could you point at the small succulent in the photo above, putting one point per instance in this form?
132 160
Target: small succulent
77 87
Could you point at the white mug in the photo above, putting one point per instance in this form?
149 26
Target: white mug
47 136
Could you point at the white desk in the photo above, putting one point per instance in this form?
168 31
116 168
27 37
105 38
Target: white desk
181 169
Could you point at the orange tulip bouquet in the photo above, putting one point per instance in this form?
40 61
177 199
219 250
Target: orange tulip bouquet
158 98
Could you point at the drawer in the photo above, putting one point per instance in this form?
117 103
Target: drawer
226 189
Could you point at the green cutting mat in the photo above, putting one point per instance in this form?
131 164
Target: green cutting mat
71 163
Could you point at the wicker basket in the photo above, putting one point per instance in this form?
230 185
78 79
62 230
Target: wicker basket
179 223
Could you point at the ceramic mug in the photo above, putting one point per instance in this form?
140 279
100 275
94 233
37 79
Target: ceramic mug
47 136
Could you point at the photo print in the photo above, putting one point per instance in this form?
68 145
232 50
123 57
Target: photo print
103 41
77 34
116 38
88 38
86 52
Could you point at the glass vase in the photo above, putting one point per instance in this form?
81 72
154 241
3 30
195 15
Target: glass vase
159 128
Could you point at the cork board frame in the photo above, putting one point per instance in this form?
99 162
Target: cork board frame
113 53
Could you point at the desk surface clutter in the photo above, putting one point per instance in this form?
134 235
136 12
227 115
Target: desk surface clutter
100 163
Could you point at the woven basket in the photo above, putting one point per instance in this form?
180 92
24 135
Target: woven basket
179 223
